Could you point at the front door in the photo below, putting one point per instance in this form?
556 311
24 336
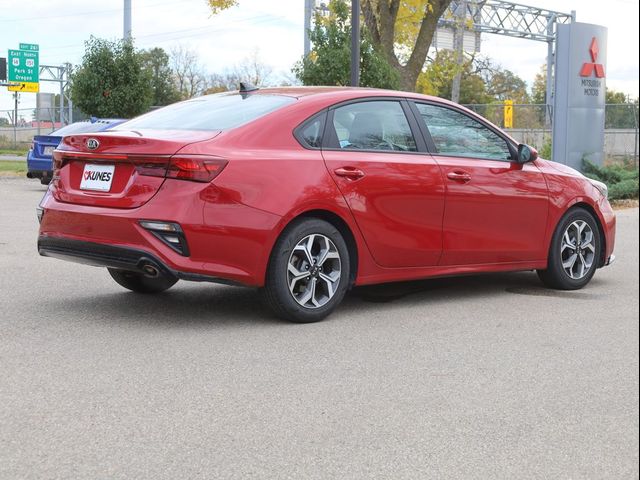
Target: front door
496 209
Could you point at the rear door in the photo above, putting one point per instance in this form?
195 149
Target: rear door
496 209
374 152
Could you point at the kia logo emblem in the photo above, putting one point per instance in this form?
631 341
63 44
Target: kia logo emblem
92 144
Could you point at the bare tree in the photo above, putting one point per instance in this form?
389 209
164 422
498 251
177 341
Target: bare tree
251 69
189 74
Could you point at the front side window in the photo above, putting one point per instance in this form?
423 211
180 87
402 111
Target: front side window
373 125
457 134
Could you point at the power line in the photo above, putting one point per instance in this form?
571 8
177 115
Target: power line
190 32
87 14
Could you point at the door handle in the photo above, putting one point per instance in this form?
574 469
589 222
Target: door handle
459 176
351 173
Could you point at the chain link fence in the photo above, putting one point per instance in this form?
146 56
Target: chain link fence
18 133
529 126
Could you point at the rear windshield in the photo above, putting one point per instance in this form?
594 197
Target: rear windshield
211 112
79 127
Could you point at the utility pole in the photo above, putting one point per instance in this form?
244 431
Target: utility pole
15 120
308 10
355 43
458 46
127 20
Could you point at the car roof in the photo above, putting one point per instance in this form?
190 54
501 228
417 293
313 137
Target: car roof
339 94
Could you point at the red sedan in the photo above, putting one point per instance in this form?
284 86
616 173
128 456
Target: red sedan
305 192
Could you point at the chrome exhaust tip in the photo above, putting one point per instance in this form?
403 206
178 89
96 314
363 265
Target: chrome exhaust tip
150 271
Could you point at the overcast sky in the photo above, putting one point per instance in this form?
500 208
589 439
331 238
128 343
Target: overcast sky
275 28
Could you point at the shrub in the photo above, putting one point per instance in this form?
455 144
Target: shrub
621 180
624 190
546 149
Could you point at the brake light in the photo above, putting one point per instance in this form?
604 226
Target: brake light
197 168
58 161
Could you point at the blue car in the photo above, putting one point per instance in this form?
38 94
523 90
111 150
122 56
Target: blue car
40 156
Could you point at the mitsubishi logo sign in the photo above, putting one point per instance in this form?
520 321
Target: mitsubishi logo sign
589 68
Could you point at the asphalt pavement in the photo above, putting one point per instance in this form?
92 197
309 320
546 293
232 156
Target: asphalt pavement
480 377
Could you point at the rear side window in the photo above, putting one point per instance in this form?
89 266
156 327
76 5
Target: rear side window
373 125
309 134
211 112
457 134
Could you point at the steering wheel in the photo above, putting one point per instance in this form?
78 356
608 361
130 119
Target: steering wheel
385 145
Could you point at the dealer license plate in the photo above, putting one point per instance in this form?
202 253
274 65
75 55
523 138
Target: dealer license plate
97 177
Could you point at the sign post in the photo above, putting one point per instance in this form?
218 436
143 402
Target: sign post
508 114
24 68
580 93
3 69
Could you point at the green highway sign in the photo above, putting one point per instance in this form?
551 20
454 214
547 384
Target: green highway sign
24 65
29 46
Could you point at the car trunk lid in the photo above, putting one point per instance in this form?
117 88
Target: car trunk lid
44 145
117 169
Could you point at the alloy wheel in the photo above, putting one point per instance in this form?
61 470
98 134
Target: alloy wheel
577 250
313 271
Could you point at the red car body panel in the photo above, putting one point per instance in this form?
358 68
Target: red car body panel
498 216
398 205
407 218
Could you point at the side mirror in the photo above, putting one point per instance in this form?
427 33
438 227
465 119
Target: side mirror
526 153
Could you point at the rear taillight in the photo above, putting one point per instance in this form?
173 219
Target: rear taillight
58 162
197 168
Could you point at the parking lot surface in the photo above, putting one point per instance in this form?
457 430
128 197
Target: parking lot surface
480 377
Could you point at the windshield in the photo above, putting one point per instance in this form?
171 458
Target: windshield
211 112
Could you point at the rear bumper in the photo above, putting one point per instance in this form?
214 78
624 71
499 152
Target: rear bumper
41 174
39 165
123 258
228 242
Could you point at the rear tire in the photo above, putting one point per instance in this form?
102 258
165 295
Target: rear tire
574 254
308 272
139 283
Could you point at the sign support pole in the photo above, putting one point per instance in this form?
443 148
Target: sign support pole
15 120
355 43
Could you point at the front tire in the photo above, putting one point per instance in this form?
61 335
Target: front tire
574 254
308 273
139 283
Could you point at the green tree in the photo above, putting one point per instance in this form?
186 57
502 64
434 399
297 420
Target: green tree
503 84
112 80
329 62
401 30
437 79
156 61
539 88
